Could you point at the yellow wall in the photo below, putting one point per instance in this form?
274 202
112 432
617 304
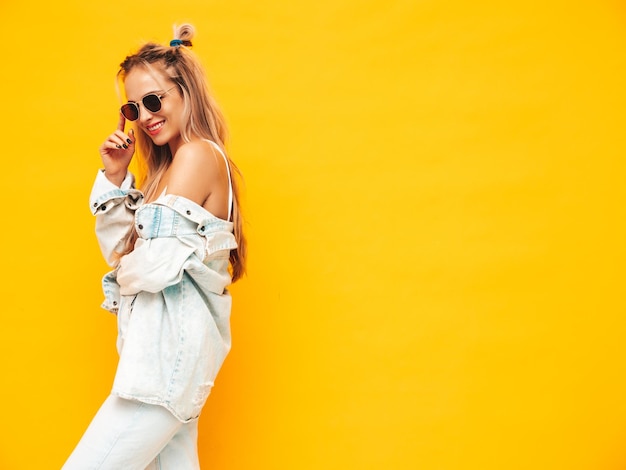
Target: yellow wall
435 197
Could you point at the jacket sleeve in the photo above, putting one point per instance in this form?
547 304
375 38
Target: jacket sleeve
176 238
114 208
158 263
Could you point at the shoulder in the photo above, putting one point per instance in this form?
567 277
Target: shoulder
194 170
196 153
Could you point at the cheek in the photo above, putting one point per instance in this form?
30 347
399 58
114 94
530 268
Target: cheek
178 106
176 115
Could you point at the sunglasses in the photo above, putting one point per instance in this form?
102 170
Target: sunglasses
152 102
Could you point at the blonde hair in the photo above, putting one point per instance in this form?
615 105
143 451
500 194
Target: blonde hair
201 118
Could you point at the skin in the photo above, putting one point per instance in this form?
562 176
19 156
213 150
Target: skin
197 171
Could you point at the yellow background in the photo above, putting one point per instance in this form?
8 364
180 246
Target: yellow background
435 201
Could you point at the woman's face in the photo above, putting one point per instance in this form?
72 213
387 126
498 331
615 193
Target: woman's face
163 126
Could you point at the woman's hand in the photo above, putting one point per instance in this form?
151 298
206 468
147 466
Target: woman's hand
117 152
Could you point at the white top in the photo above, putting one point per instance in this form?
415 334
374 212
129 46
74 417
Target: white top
230 183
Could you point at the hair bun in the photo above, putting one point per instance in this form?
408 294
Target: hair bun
184 32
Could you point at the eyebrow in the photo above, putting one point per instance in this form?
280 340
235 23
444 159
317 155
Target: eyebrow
155 92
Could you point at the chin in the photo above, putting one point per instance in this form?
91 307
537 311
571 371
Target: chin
160 140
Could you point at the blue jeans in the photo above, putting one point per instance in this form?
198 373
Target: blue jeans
131 435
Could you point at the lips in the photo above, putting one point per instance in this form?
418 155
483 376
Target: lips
155 128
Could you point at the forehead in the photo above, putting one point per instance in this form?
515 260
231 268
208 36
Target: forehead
142 80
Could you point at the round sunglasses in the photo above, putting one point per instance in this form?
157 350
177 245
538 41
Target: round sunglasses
152 102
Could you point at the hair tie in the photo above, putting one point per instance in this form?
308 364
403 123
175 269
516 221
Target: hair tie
179 42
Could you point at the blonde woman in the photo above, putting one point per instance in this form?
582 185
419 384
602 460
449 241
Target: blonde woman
175 245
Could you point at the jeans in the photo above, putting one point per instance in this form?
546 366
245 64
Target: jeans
132 435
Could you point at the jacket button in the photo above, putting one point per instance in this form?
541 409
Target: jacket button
95 204
103 207
140 226
188 212
114 302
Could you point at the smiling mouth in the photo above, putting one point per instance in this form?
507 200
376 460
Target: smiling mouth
155 127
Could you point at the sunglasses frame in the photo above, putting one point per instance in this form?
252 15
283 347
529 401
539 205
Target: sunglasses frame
136 104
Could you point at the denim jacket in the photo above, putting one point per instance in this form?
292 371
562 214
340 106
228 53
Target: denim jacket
170 294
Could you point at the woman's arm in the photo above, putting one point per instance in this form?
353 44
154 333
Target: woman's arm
113 198
117 152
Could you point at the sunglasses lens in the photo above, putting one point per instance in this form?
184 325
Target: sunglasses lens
152 103
130 111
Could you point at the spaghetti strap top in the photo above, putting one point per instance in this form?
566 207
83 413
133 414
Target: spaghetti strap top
230 183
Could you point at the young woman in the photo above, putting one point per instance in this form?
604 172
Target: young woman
175 246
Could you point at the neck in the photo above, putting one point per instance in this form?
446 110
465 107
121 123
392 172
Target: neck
175 144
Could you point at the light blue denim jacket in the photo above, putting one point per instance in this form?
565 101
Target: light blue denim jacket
170 294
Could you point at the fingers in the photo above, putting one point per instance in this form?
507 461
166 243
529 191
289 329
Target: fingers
118 144
121 123
119 132
124 140
120 140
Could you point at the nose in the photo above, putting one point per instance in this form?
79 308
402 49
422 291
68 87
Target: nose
144 114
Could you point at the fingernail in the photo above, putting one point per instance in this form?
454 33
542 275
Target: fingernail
129 141
125 146
118 146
